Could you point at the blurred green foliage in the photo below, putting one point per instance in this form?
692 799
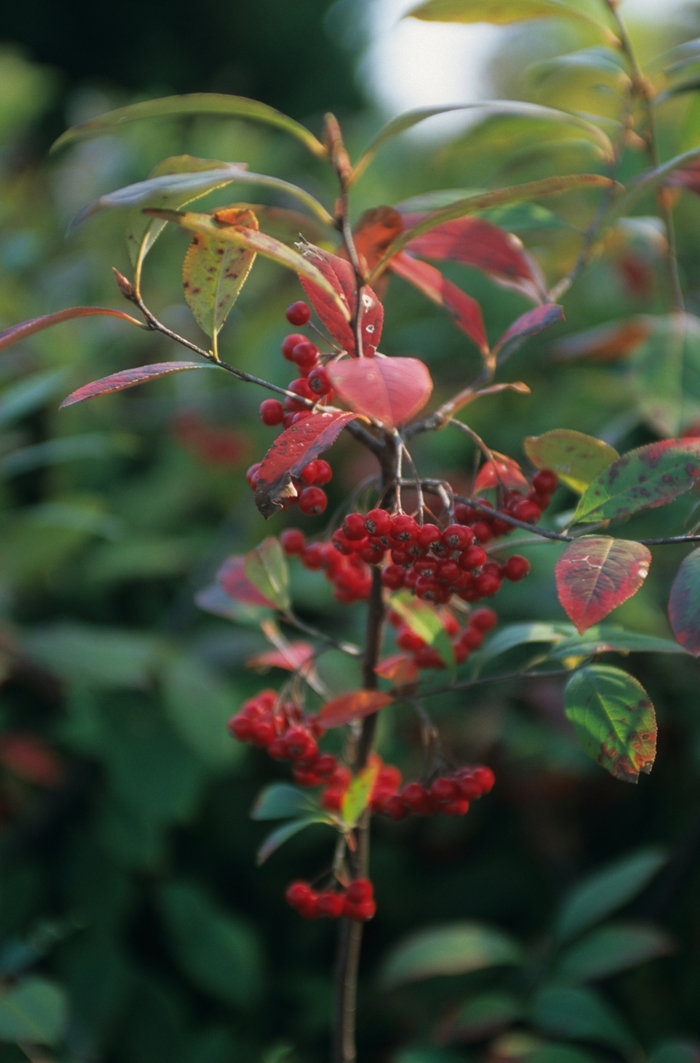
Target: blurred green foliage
131 914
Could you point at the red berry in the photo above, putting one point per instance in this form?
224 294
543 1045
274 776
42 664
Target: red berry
293 541
309 473
371 553
305 353
428 535
360 890
354 526
471 638
484 778
545 481
500 527
448 571
252 475
426 588
240 728
393 577
271 412
290 342
263 732
460 651
277 749
465 514
527 511
482 530
444 789
312 557
297 893
484 619
458 807
415 798
516 568
426 566
409 640
325 765
473 557
312 501
395 807
330 904
487 583
359 912
300 744
403 528
457 537
324 473
341 543
378 522
319 381
298 313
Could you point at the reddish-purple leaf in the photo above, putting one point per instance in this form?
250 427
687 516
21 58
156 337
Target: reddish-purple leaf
684 604
293 657
594 575
233 581
353 706
37 324
501 471
529 324
290 452
474 242
340 274
399 668
375 232
389 390
128 378
465 311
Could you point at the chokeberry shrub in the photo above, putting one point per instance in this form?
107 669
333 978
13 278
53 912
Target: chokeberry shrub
424 558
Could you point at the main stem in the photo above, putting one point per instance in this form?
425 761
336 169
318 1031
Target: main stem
350 940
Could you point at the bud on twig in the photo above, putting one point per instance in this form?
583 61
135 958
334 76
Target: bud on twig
339 156
123 284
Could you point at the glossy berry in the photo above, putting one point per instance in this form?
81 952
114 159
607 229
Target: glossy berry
305 353
252 475
482 531
290 342
545 481
354 526
457 537
473 557
403 528
319 381
298 313
324 473
378 522
516 568
312 501
293 541
487 583
309 473
393 577
527 511
271 412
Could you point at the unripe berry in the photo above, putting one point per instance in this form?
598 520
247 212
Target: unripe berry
472 557
516 568
378 522
312 501
293 541
484 619
403 528
290 342
545 481
298 313
271 412
319 381
393 577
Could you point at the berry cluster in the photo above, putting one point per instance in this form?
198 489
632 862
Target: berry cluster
464 640
356 902
311 383
349 574
281 728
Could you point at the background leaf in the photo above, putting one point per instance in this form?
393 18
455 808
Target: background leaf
684 604
424 621
579 1014
358 793
353 706
129 378
34 1010
465 311
266 568
453 949
612 949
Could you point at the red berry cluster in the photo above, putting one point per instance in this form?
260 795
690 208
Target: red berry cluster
311 383
281 728
356 902
464 640
349 574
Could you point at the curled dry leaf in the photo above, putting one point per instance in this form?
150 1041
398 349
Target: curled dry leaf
594 575
353 706
128 378
389 390
338 313
291 451
465 311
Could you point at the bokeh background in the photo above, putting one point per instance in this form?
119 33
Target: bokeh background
127 873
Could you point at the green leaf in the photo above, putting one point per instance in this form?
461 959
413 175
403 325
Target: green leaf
675 1052
614 720
482 1016
358 793
607 639
219 953
266 567
282 834
576 458
648 183
644 478
214 273
611 949
579 1014
514 217
666 373
198 703
604 892
549 186
194 103
29 394
518 108
103 657
282 801
34 1010
522 634
424 621
561 1053
455 948
261 243
502 12
56 451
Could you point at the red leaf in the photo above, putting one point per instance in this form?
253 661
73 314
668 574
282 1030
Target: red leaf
37 324
235 584
341 276
128 378
688 177
501 471
292 658
375 232
605 343
465 311
529 324
31 759
390 390
352 706
480 243
291 451
684 604
594 575
399 668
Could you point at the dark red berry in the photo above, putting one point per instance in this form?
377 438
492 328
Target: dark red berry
484 619
472 557
471 638
297 893
444 789
482 530
312 557
271 412
409 640
290 342
240 728
318 381
448 571
457 537
298 313
428 535
378 522
330 904
527 511
487 583
516 568
252 475
403 528
545 481
305 353
312 501
465 514
393 577
361 889
354 526
293 541
309 474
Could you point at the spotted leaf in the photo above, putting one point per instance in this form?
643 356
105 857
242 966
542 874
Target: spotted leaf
576 458
340 278
594 575
214 272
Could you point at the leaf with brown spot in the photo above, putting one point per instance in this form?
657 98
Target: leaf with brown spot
576 458
644 478
353 706
614 720
684 604
339 277
214 272
595 575
15 333
389 390
129 378
465 311
605 343
291 451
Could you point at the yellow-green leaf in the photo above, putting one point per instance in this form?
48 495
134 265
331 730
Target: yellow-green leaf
266 568
502 12
576 458
424 620
358 794
214 272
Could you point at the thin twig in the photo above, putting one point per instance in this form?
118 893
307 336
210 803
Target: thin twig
503 678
